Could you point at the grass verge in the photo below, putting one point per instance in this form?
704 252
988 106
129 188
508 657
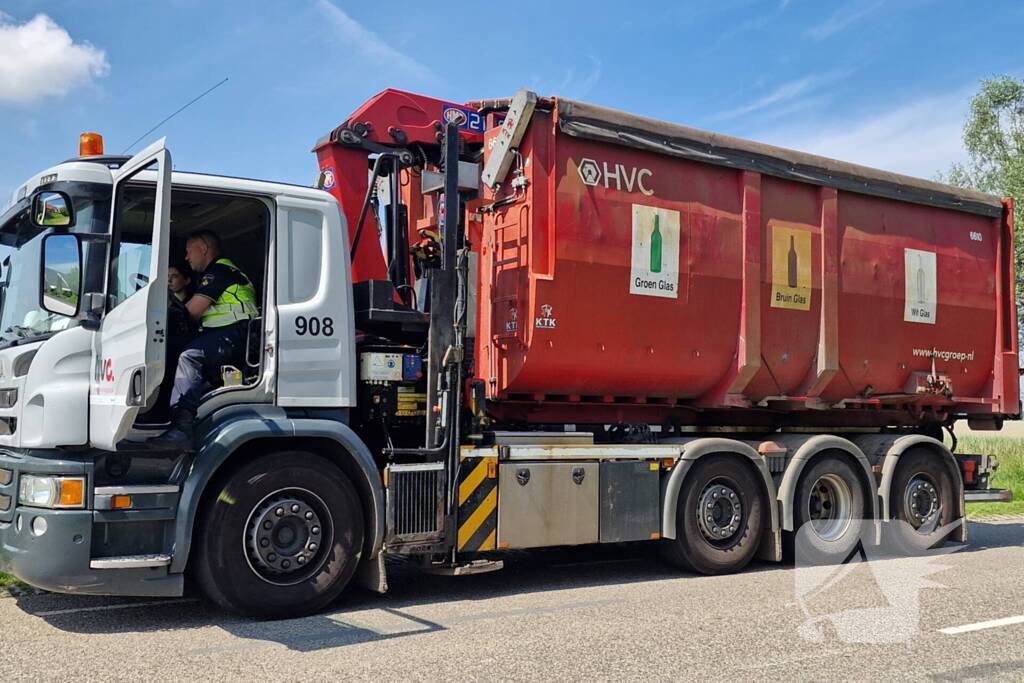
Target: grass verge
1010 475
6 581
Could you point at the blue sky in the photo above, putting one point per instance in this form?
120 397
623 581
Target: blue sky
880 83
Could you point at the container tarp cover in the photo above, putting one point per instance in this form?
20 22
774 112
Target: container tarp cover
592 122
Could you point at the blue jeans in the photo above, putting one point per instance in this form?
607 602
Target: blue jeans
201 360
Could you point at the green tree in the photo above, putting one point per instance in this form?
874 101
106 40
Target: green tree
994 138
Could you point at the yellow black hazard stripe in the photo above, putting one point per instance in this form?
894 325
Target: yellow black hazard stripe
478 504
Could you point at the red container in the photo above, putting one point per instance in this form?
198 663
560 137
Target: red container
654 272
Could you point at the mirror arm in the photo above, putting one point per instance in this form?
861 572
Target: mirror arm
93 305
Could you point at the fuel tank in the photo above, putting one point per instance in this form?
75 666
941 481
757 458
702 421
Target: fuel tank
635 270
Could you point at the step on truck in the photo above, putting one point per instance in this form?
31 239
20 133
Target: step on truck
499 325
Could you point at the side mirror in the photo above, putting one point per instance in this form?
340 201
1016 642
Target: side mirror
61 274
52 210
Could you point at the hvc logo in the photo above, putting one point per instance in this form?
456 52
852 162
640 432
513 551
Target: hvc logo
628 178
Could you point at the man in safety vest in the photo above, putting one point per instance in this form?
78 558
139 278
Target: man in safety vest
223 304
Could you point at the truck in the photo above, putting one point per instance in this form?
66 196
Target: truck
496 326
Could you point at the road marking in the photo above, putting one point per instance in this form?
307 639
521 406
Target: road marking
105 608
982 625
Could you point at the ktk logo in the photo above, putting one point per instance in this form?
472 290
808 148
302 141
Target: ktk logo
623 178
546 320
511 325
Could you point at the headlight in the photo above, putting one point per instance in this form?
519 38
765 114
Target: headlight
51 492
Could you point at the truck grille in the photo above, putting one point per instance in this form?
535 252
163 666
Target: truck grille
416 495
8 494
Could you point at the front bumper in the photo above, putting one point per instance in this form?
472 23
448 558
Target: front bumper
59 559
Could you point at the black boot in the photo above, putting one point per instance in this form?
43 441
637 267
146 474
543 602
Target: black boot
179 436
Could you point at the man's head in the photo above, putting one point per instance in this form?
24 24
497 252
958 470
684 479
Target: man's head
201 249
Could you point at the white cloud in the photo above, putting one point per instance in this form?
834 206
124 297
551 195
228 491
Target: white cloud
369 44
574 82
38 59
783 93
578 86
847 14
787 97
918 138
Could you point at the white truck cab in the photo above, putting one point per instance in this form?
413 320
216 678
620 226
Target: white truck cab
84 338
77 370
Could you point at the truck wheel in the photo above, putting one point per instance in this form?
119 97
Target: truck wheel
719 517
281 537
922 502
828 512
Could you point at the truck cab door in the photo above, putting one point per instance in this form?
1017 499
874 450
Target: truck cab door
129 347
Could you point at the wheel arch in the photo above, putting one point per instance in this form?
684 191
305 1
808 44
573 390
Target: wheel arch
691 452
808 449
890 462
250 433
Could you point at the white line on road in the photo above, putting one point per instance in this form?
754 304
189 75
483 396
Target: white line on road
982 625
104 608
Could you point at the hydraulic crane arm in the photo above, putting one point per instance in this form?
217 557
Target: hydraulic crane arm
391 131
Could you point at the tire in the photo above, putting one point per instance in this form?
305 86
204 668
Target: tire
923 522
693 549
257 523
828 512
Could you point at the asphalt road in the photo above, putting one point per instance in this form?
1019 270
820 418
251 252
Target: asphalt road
608 613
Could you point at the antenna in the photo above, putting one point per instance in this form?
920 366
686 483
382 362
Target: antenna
189 104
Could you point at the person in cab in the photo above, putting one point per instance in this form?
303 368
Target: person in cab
180 331
223 304
179 281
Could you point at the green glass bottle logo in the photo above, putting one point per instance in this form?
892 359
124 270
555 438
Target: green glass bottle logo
656 247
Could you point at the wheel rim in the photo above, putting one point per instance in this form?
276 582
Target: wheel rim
720 512
830 507
287 536
922 502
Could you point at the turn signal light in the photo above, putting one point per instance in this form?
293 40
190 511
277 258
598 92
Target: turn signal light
90 145
121 502
72 493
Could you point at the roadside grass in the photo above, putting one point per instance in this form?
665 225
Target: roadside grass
7 581
1010 475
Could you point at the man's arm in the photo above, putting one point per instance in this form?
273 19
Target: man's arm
211 285
197 305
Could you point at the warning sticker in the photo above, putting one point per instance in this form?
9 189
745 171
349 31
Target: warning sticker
654 269
919 286
791 268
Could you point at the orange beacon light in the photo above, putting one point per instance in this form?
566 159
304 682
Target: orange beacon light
90 145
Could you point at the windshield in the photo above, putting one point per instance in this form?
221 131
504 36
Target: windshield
21 316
